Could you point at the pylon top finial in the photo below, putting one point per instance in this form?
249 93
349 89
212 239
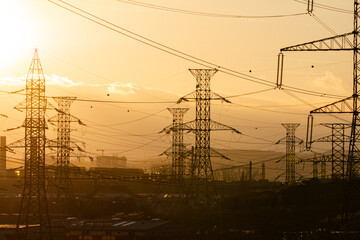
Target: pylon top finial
36 54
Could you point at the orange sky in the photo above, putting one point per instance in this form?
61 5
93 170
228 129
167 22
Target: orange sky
85 60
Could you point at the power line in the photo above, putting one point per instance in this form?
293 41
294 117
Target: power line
137 37
326 7
110 101
204 14
250 93
268 110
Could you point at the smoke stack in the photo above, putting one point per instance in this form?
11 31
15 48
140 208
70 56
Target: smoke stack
2 154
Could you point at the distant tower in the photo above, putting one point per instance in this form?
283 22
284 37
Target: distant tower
178 149
263 171
337 139
34 207
315 169
290 140
63 120
202 190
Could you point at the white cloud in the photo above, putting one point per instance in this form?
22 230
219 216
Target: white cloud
329 81
61 81
115 87
12 81
121 88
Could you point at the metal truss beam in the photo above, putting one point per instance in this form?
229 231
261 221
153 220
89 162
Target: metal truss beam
335 43
341 106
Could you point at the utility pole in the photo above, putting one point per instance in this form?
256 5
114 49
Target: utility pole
250 171
34 206
202 189
290 141
101 150
263 171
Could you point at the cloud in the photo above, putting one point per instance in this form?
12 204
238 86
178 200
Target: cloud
12 81
62 81
329 81
121 88
115 87
50 80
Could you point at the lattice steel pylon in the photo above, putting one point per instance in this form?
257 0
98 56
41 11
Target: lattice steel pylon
349 104
337 139
202 189
34 206
178 150
63 121
290 160
321 160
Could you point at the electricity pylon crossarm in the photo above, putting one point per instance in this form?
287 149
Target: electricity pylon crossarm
335 43
341 106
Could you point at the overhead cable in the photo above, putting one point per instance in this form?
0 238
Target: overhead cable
204 14
169 50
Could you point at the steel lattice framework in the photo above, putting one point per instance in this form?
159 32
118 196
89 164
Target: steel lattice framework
178 150
290 140
337 139
347 105
202 188
63 120
319 160
34 206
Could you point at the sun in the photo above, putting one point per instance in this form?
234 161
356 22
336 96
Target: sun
15 31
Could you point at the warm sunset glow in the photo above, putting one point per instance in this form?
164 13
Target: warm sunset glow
15 30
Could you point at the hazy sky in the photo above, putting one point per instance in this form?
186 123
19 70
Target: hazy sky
83 59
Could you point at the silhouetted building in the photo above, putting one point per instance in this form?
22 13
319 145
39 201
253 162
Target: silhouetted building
111 162
116 172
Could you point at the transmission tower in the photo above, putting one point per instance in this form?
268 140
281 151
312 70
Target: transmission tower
337 139
63 121
34 206
319 160
178 150
202 188
290 160
349 104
